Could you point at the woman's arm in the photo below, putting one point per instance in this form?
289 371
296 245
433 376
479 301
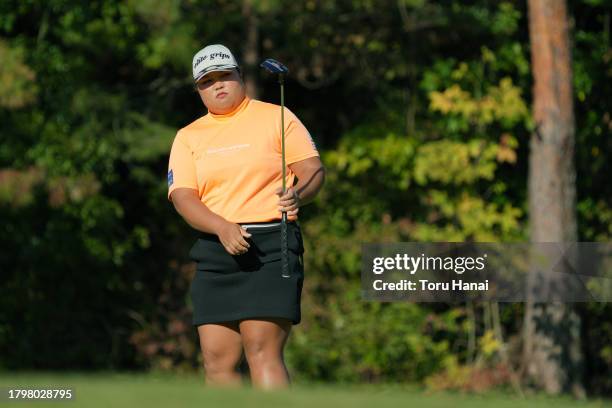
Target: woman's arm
200 217
311 176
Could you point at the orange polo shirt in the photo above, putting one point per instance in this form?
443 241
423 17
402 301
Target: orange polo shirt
234 160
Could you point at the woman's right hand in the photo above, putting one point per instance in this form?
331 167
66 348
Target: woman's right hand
233 237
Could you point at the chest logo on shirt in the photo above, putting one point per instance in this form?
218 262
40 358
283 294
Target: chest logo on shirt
226 149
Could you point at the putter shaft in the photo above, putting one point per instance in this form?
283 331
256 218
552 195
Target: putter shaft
284 253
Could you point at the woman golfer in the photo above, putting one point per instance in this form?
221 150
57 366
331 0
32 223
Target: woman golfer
224 179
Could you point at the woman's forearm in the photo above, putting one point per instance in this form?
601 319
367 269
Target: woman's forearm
308 187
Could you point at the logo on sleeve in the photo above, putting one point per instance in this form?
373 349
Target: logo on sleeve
170 178
314 146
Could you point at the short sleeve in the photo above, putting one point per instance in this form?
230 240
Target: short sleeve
298 142
181 167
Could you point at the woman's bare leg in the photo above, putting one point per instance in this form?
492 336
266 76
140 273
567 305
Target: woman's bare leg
221 350
264 340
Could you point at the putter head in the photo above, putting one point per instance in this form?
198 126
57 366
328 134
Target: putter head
274 67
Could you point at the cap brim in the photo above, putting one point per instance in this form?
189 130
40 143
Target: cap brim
217 68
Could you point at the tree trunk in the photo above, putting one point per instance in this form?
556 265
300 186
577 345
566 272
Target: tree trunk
250 53
552 351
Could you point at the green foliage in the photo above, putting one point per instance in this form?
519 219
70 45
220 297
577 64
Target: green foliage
404 351
17 80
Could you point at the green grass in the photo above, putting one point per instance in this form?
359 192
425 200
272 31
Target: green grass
157 390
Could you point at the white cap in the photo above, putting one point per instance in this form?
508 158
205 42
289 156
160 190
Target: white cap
215 57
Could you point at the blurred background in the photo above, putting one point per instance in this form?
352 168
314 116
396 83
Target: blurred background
422 111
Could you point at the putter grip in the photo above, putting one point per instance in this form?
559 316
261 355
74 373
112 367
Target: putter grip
284 254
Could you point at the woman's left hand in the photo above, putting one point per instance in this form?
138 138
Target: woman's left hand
289 202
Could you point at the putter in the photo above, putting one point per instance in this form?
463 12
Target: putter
276 67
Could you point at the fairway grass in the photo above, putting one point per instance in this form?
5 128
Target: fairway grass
163 390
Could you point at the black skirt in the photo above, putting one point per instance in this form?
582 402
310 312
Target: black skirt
236 287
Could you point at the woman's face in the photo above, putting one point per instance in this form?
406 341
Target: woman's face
221 91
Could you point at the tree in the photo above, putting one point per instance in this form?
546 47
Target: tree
250 54
552 350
